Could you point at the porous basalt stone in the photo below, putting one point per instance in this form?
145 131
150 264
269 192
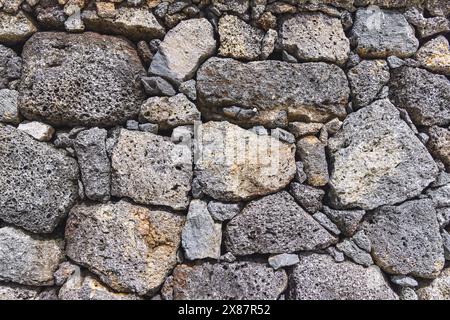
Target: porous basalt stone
314 92
80 79
226 281
137 252
15 29
150 169
39 184
377 160
234 164
275 224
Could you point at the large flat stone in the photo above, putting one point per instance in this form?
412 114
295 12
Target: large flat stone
311 92
80 79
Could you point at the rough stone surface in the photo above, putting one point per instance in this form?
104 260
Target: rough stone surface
319 277
315 37
150 169
346 220
229 170
438 289
39 184
310 92
366 81
223 211
423 94
381 33
28 259
228 281
135 23
65 81
406 240
137 252
275 224
169 112
201 237
238 39
377 160
351 250
95 167
15 29
308 197
10 291
196 38
404 281
83 286
435 55
10 66
9 112
312 153
157 86
439 144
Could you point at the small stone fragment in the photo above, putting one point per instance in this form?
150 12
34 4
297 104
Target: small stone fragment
326 223
351 250
407 293
38 130
282 135
157 86
438 289
201 237
275 224
283 260
15 29
268 44
149 127
169 112
337 255
312 153
95 167
300 175
189 89
27 258
439 144
404 281
9 112
346 220
228 281
308 197
362 241
223 211
440 196
301 129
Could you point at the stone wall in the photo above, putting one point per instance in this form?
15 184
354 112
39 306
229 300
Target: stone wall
212 149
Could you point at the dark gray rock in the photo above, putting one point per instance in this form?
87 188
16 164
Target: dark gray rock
381 33
362 240
157 86
202 236
189 89
65 81
423 94
27 258
12 291
351 250
39 184
319 277
150 169
282 135
228 281
346 220
310 92
366 81
406 239
196 36
440 196
377 160
326 223
300 175
223 211
309 198
275 224
10 66
95 167
130 248
9 112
